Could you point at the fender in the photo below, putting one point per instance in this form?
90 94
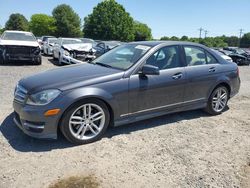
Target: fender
92 92
223 79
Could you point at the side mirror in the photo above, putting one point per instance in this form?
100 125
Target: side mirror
149 70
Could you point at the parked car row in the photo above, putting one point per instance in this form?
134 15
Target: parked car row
238 55
75 50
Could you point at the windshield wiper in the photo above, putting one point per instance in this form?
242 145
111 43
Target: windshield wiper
103 64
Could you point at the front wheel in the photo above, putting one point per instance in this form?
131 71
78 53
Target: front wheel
85 122
217 101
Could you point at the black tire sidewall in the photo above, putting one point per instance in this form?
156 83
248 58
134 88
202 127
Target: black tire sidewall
64 125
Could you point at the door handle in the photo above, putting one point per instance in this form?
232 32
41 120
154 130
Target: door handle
212 69
177 76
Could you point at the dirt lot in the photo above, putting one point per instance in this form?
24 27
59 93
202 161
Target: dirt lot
189 149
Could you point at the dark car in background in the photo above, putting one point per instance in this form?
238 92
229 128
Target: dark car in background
238 55
102 47
19 46
132 82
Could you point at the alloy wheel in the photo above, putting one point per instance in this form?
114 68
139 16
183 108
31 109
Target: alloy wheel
87 121
219 100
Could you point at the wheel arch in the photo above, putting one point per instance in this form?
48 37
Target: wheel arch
223 83
106 102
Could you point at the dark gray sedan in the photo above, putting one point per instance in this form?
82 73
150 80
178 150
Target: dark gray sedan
132 82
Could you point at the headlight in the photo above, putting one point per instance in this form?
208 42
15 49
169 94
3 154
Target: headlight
43 97
36 50
65 52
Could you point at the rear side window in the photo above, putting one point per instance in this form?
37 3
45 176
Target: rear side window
197 56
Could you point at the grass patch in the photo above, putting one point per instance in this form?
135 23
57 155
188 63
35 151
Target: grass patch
76 182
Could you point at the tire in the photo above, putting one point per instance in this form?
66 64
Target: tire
54 58
2 62
38 62
82 130
217 101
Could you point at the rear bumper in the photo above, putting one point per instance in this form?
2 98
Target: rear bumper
236 87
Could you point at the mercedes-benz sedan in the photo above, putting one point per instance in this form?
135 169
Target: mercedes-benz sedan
132 82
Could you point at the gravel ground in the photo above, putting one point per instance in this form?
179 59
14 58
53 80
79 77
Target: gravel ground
188 149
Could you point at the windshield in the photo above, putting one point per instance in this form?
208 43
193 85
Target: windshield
240 51
71 41
18 36
111 45
52 40
123 56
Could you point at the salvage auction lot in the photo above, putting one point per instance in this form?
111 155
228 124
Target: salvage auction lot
188 149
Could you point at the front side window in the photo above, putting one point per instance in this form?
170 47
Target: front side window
165 58
197 56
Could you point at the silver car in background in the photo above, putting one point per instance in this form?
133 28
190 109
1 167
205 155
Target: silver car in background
72 51
48 46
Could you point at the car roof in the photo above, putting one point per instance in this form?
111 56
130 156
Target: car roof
156 43
13 31
69 38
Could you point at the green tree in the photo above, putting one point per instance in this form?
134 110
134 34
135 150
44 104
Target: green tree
165 38
232 41
245 41
174 38
109 21
141 31
67 22
42 24
184 38
17 22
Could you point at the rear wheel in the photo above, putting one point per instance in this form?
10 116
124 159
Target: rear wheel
85 122
217 101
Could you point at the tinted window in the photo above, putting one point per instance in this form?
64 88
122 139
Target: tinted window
165 58
195 56
211 59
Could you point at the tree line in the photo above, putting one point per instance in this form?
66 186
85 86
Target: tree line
108 21
219 41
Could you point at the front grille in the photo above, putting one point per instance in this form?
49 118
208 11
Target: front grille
20 50
20 94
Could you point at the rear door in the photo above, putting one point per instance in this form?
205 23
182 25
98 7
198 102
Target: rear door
202 72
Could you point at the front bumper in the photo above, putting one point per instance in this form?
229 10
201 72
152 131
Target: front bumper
70 60
31 120
20 57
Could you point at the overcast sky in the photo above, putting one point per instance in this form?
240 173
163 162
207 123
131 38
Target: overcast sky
164 17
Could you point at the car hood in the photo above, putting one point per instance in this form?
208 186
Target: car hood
69 77
19 43
79 47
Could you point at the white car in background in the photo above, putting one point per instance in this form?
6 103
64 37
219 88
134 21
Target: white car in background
223 55
48 46
72 51
19 46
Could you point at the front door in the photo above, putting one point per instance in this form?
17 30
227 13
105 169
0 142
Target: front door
153 92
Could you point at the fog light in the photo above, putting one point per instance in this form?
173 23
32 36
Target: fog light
52 112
